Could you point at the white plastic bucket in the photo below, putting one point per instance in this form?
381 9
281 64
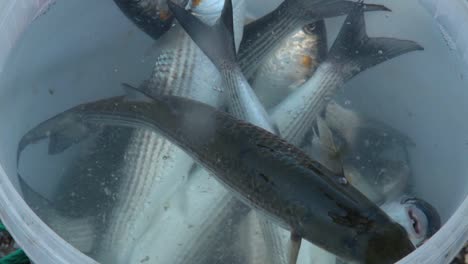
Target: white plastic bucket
44 246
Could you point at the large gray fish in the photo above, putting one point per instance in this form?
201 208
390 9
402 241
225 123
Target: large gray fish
252 162
290 65
352 52
263 35
217 43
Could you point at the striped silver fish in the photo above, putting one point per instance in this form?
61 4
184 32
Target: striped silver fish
217 42
154 169
352 52
218 45
285 69
265 34
290 64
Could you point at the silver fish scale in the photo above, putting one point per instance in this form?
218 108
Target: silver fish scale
254 48
155 167
291 64
149 161
293 119
173 67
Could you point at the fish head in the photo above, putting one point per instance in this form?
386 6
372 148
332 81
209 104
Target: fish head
388 244
420 219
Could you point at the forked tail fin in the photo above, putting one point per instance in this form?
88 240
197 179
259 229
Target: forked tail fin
355 52
216 41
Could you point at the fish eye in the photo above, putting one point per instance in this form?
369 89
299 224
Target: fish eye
309 29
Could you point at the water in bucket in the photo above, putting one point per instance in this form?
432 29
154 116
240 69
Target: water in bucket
390 121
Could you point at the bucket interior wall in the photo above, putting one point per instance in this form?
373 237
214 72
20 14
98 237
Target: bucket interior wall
79 65
72 67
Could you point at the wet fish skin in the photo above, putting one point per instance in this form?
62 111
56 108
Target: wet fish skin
159 167
221 56
352 52
387 189
253 163
416 215
290 64
181 69
151 16
218 44
71 133
263 35
152 157
377 152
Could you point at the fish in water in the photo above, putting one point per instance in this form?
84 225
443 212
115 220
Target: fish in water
263 35
388 189
375 149
351 53
290 64
151 16
265 171
218 44
284 70
156 169
155 19
418 217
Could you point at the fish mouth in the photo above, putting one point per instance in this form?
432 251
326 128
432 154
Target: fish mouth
414 219
424 220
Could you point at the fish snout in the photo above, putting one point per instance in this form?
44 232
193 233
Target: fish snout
424 218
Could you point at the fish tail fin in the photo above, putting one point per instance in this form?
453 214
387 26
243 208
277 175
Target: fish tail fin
356 52
63 131
320 9
216 41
